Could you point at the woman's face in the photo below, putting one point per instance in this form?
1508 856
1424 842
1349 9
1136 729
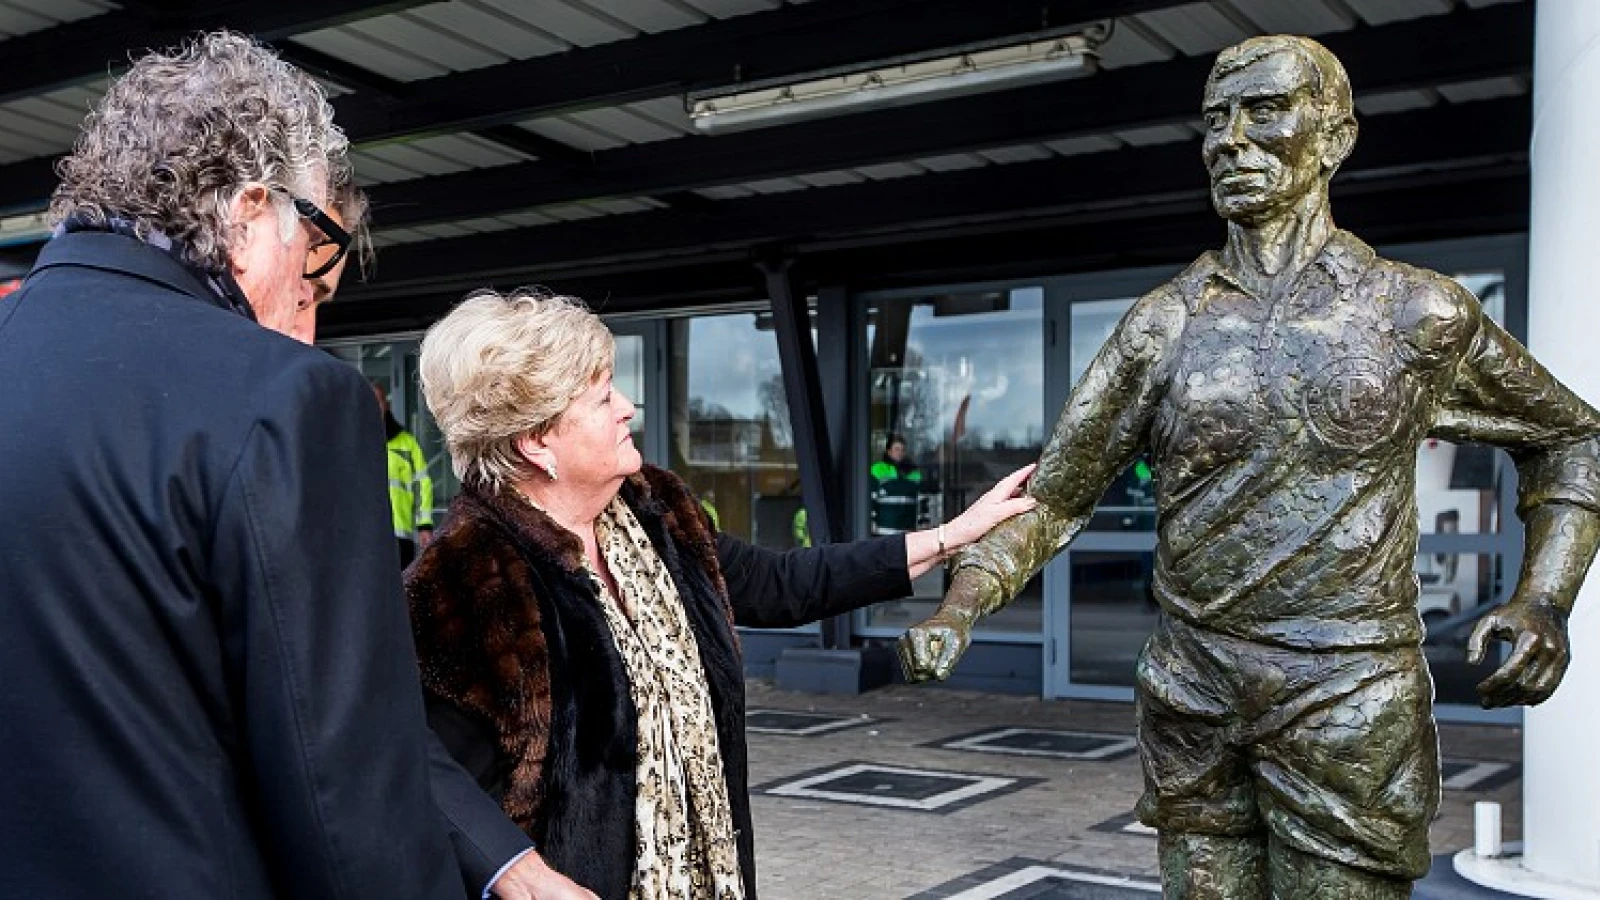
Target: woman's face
592 443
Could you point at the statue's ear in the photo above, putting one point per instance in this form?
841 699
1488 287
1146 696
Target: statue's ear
1338 140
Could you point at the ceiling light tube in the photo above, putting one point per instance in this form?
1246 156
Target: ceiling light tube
971 72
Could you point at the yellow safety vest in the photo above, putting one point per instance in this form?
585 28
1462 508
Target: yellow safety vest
410 488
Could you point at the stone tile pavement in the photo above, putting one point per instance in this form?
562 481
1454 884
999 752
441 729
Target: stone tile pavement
809 848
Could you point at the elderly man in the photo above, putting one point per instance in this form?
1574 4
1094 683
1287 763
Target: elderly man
325 268
1281 388
206 674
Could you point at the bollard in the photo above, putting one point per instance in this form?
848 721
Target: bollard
1486 829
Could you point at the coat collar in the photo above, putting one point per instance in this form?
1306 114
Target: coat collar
111 252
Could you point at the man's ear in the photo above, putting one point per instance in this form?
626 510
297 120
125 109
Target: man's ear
250 208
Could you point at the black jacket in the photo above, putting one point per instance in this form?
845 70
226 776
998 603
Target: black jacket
525 683
207 685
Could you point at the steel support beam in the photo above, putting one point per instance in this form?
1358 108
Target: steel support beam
1488 201
808 418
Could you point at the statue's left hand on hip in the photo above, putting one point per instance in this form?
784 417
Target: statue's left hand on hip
1537 630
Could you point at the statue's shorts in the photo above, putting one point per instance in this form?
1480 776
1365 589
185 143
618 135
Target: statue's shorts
1331 753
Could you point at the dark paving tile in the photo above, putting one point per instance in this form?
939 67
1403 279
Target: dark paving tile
1477 775
1026 879
1127 823
896 787
1043 742
801 724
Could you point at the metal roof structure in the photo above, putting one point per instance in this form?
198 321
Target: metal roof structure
547 141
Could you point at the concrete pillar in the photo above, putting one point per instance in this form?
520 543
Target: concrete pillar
1561 779
1561 776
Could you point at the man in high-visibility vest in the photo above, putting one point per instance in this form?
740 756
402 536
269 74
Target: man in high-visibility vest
410 488
896 482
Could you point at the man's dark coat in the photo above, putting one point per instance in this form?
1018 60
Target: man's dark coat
207 682
525 683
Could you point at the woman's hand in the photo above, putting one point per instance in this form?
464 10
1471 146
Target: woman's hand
531 879
1000 503
923 550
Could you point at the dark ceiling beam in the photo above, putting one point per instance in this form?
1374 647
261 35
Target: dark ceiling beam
1486 43
81 51
1395 149
1479 203
785 42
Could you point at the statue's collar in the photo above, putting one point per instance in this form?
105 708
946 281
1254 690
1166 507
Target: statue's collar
1344 257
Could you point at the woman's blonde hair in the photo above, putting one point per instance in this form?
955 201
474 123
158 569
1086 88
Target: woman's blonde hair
501 366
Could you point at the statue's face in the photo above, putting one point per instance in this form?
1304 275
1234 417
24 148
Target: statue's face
1263 142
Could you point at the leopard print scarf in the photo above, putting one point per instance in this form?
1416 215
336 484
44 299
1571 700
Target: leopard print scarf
686 848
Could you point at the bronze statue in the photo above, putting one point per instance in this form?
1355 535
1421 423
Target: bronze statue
1281 388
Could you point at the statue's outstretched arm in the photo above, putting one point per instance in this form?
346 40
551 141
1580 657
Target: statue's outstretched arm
1102 429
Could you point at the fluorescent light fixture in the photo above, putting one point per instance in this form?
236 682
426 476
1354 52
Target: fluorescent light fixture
898 84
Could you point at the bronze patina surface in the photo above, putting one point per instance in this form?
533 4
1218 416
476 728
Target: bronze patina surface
1281 387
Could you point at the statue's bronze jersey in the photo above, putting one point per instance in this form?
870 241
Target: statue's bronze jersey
1283 432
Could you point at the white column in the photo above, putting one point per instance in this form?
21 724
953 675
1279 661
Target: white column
1561 745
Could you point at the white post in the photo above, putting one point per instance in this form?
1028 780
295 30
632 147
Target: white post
1561 780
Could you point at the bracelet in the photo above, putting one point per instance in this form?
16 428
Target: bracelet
940 533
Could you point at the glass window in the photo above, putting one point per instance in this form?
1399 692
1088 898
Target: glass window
393 364
628 378
1113 612
730 432
956 402
1458 485
1129 503
1456 590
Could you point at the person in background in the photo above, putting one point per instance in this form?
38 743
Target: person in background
896 483
800 528
708 502
410 488
206 679
575 616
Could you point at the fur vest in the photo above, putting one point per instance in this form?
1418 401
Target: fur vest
525 685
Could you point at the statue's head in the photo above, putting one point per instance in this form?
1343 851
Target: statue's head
1279 120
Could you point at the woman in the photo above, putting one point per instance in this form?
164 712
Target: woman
575 616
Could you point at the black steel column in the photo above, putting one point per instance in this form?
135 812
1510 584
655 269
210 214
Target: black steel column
819 485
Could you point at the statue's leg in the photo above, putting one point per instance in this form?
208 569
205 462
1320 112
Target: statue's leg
1199 792
1301 876
1213 867
1347 775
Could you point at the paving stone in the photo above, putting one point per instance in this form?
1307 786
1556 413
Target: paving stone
812 849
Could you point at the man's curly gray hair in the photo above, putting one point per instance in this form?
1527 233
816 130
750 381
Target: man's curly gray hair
182 132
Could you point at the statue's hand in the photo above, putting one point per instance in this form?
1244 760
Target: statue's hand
929 650
1537 630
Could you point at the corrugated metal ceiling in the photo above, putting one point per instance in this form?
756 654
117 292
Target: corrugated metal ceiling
19 17
459 35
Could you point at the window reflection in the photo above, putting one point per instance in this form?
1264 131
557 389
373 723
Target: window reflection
1113 613
730 432
393 364
1458 485
628 378
1456 590
956 402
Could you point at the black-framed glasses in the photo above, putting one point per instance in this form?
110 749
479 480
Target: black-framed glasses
332 232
